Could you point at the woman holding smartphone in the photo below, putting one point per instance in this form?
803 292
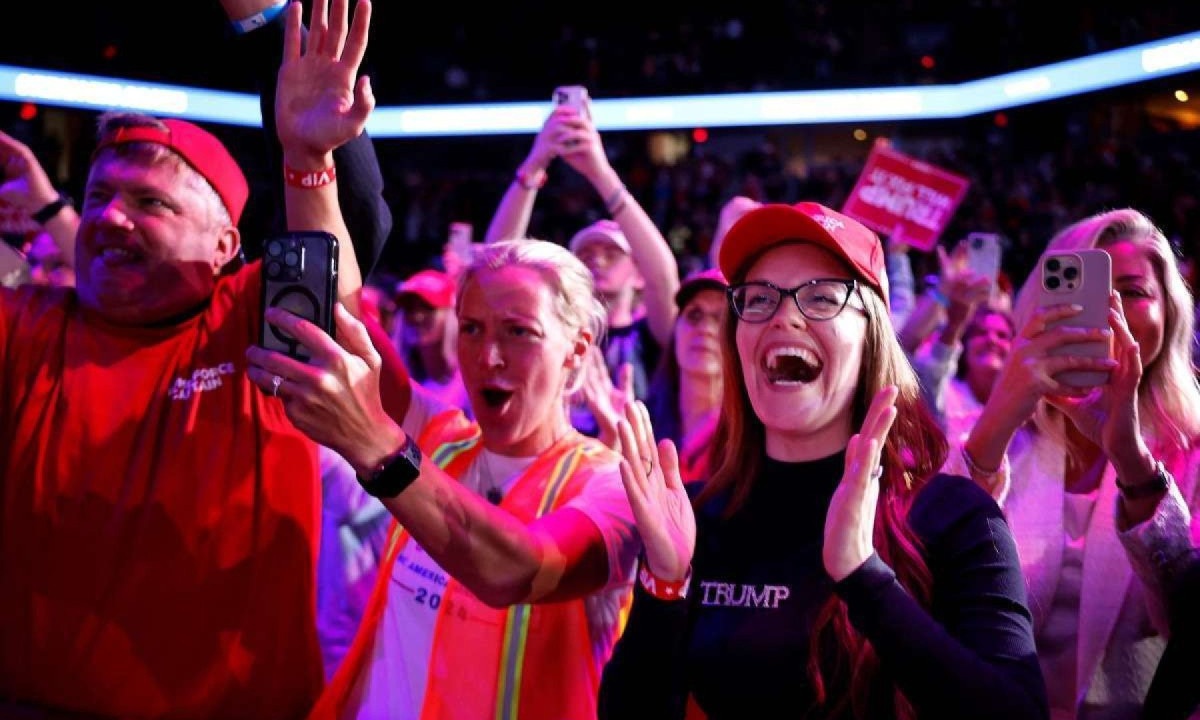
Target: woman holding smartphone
1088 476
825 569
511 559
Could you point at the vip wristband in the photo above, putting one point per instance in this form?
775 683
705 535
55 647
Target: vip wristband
663 589
258 19
309 180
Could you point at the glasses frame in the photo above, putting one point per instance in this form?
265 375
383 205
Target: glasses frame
850 283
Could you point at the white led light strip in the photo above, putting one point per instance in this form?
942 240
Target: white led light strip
1073 77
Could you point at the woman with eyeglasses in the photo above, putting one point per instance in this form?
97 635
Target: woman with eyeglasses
815 574
685 392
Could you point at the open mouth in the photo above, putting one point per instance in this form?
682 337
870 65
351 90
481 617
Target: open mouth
791 366
495 398
115 256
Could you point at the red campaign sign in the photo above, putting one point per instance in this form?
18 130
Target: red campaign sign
909 200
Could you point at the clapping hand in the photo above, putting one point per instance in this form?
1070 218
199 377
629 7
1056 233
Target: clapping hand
606 401
850 521
660 503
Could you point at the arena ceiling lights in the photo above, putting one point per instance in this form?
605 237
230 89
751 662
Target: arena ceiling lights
1127 66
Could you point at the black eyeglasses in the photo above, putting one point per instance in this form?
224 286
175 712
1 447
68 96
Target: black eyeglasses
820 299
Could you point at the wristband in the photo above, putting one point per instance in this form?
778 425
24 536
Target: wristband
616 201
663 589
44 214
530 181
309 180
1140 491
257 20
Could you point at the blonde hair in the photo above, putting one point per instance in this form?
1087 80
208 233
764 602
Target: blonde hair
1169 395
153 154
569 280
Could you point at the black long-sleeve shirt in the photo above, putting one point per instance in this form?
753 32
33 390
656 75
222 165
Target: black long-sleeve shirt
740 642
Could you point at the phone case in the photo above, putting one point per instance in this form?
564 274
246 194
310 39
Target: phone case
575 96
1083 277
299 274
983 254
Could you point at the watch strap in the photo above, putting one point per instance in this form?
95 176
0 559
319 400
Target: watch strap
1158 483
395 472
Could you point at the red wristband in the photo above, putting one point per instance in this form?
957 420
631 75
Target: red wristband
530 181
663 589
311 179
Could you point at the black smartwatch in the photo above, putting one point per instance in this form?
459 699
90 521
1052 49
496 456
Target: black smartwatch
395 472
50 209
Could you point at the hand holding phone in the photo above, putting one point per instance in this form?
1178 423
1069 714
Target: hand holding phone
983 254
299 274
574 96
1081 277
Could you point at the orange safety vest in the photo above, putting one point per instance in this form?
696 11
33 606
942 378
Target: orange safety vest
527 661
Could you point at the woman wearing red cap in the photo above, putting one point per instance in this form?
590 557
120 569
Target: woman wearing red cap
816 574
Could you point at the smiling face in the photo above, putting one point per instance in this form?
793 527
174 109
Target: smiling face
801 375
986 343
149 245
1141 292
697 334
516 356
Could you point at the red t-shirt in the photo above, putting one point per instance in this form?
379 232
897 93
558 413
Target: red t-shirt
158 516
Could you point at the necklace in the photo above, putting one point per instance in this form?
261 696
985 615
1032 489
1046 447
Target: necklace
494 493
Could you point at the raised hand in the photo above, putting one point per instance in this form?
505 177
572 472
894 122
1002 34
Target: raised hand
334 399
850 521
1108 414
660 503
584 149
320 103
25 183
606 401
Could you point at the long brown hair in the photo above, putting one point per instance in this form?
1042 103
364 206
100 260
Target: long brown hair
913 452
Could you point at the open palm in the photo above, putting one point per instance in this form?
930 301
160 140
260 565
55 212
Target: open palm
660 503
320 103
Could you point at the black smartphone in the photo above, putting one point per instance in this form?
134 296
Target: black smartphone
299 274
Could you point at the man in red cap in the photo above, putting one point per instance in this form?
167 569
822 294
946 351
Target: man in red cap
158 511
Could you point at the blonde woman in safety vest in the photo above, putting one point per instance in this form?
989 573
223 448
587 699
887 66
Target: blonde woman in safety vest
509 568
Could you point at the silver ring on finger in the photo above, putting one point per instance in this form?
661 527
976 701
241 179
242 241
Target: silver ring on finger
877 473
275 383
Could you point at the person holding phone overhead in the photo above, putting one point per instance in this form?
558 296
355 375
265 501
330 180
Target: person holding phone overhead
158 515
635 273
1093 480
825 569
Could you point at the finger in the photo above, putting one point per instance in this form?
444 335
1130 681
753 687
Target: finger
364 103
292 17
356 42
318 26
645 431
276 363
668 460
318 343
353 336
265 380
632 480
629 449
637 438
336 34
943 260
1044 317
626 381
881 413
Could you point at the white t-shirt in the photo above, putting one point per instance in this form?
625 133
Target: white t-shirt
393 685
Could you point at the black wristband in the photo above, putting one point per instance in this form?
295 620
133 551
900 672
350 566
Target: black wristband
50 209
1158 483
395 473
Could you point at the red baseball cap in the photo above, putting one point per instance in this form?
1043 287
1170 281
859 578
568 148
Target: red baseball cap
772 224
200 148
433 286
697 281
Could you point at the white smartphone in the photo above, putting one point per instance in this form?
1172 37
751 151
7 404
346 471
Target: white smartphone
1083 277
575 96
983 254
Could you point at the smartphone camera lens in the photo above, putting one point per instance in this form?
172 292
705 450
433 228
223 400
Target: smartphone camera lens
291 259
273 269
1053 282
977 244
1053 265
1070 273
